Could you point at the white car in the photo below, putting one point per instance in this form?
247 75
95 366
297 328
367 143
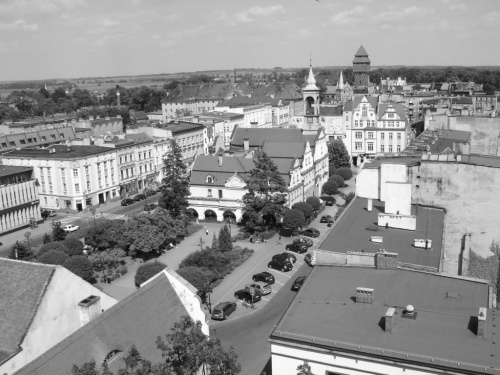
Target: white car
70 228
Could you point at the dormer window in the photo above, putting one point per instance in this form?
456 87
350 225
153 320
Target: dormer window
209 180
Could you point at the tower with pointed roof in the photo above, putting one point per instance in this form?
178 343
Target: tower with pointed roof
310 94
361 68
341 81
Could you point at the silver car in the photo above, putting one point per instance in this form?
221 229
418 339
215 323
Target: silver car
263 288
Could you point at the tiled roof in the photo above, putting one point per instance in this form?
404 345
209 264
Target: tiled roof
361 51
437 141
284 149
330 111
352 104
244 101
382 109
204 91
464 100
330 90
139 137
258 136
22 286
9 170
285 91
62 153
183 126
205 165
138 320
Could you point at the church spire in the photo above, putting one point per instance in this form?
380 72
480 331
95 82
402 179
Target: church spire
341 81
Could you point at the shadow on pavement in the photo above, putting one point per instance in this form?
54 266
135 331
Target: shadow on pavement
267 370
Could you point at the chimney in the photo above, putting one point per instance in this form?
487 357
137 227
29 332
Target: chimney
89 309
196 119
389 320
481 322
221 160
246 144
364 295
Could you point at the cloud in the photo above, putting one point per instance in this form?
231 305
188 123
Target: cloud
348 16
364 1
19 25
455 5
107 22
491 19
256 13
37 6
399 14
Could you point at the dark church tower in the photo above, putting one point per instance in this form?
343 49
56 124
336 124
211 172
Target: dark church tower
361 68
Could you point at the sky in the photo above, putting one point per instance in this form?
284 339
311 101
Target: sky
42 39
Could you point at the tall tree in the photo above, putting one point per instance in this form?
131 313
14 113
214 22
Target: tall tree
265 196
338 155
58 233
215 243
20 251
175 188
225 243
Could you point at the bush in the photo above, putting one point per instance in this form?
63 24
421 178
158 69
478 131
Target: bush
338 180
306 209
293 219
80 266
332 169
123 270
330 188
52 246
345 173
20 251
74 246
241 236
47 238
314 202
200 278
147 271
348 198
58 233
213 260
268 234
53 257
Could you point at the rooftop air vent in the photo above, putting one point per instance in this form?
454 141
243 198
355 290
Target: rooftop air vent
409 312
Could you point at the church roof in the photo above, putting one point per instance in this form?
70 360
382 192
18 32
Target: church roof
311 81
361 52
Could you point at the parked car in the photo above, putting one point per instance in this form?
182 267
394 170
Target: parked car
325 218
70 228
280 265
330 202
311 232
127 201
139 197
150 192
264 276
298 282
263 288
296 248
52 213
309 259
304 241
149 207
223 310
245 295
285 257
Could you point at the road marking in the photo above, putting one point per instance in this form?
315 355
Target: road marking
281 273
265 299
277 282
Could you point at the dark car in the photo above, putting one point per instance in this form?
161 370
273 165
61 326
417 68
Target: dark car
304 241
139 197
127 201
280 265
245 295
330 202
298 282
223 310
311 232
285 257
150 192
309 259
325 218
264 276
296 248
149 207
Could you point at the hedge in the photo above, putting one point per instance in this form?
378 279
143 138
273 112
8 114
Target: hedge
147 271
80 266
53 257
52 246
75 247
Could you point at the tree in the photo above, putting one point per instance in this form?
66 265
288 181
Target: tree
198 277
266 196
175 188
337 154
215 243
106 259
147 271
109 234
53 257
345 173
74 246
314 202
52 246
47 238
304 369
225 242
80 266
186 349
330 188
339 180
306 209
45 214
293 219
20 251
58 233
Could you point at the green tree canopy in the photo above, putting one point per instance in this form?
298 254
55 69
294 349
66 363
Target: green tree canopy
345 173
306 209
58 233
337 154
106 259
314 202
330 188
147 271
20 251
339 180
108 234
225 242
74 246
293 219
80 266
53 257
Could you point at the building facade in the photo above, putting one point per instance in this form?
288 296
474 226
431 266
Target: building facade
71 177
19 200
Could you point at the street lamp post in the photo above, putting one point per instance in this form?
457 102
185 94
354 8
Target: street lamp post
92 210
28 235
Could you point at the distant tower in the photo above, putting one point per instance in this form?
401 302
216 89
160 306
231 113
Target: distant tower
361 68
310 94
341 81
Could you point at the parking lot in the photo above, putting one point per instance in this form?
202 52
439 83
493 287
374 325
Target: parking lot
259 263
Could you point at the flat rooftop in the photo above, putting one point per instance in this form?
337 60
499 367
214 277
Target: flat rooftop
324 313
351 234
9 170
62 153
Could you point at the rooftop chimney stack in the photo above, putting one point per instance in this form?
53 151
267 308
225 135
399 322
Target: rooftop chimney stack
389 320
89 309
481 322
246 144
364 295
221 160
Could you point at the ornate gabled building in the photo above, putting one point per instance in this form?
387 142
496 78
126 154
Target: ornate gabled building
310 95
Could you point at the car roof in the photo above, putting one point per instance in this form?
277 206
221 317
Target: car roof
222 304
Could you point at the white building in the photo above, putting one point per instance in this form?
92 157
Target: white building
71 177
257 111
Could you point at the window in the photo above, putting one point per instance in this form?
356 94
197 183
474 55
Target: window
358 146
390 148
4 144
370 146
43 138
30 140
358 135
63 173
370 135
364 111
88 185
373 123
398 148
390 115
209 193
22 141
390 136
12 143
347 118
399 136
382 136
75 173
52 136
61 136
87 170
220 194
355 123
65 188
382 148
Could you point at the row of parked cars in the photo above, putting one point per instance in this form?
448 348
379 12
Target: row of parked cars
262 281
138 197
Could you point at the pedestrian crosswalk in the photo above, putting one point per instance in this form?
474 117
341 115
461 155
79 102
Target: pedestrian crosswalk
99 215
67 219
108 216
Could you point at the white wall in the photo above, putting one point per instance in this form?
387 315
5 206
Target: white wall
392 173
398 199
367 183
398 221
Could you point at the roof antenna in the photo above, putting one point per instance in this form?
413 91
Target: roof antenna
310 60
